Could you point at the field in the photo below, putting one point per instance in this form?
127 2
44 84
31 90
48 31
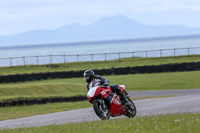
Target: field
77 86
176 123
98 64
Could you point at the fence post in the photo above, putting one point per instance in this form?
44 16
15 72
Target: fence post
91 57
160 52
146 54
188 51
64 58
37 60
132 54
50 60
24 61
77 58
119 57
174 52
10 62
105 56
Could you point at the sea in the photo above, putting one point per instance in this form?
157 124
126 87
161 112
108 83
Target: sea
95 51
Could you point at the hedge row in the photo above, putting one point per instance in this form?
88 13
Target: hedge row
32 101
116 71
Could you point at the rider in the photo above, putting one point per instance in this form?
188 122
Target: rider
93 81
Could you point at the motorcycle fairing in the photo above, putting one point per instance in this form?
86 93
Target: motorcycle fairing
92 91
116 106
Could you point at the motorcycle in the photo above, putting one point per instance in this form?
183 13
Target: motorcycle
106 103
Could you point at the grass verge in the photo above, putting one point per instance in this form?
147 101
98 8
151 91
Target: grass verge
176 123
41 89
77 86
137 61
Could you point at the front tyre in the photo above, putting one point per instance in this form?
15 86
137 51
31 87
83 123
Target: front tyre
101 111
131 112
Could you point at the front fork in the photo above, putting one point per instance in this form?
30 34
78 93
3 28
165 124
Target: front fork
103 104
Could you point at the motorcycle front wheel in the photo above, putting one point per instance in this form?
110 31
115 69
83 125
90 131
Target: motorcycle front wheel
101 111
131 112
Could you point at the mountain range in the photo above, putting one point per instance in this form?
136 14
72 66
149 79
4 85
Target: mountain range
116 27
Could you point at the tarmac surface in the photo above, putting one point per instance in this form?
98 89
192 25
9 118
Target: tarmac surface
186 101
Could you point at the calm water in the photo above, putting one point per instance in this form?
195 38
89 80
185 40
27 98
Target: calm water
95 49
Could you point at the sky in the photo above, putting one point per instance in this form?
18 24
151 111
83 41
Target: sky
24 15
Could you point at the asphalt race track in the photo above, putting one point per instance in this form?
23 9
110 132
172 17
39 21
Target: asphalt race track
186 101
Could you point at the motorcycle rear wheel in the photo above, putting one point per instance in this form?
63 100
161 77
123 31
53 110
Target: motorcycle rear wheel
103 114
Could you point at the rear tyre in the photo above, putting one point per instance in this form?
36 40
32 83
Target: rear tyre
131 111
102 113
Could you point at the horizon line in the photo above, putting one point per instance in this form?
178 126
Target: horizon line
138 39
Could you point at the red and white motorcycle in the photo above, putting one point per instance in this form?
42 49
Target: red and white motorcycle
106 103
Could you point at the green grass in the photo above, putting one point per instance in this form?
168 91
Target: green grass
24 111
176 123
161 81
98 64
77 86
40 89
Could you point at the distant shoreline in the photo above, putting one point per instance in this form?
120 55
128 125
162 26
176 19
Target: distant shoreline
171 37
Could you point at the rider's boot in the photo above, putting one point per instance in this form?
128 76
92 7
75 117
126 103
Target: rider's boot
127 103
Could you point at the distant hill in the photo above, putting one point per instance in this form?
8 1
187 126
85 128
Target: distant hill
117 27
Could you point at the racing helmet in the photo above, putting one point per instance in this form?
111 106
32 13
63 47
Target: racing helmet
89 75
